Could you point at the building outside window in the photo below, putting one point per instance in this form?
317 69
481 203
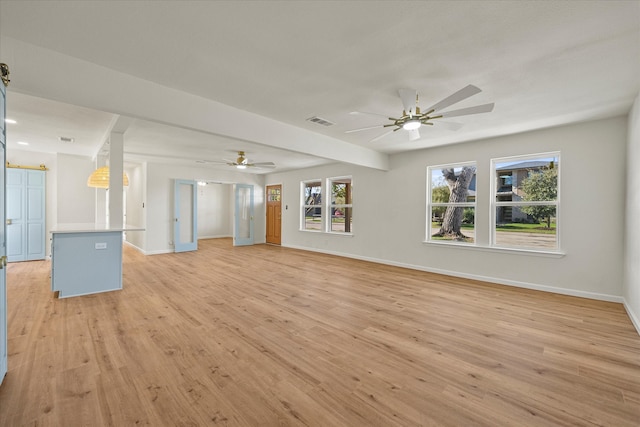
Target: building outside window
525 201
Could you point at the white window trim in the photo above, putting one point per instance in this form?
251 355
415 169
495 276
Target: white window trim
330 205
430 205
494 204
303 206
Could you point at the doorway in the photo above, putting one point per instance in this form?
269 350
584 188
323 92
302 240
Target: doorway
274 214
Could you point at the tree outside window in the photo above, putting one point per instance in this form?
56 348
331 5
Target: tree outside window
451 202
311 205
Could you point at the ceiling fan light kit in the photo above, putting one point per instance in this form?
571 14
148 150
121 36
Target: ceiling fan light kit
412 119
412 124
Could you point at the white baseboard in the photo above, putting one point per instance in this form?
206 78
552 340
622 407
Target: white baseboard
632 316
143 252
159 252
134 247
515 283
217 236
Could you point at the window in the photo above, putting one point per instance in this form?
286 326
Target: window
341 205
311 205
451 203
525 201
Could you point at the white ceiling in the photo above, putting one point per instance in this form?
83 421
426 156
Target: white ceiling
265 67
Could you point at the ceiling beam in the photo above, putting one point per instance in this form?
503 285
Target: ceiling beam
52 75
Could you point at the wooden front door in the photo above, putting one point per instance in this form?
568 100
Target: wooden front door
274 214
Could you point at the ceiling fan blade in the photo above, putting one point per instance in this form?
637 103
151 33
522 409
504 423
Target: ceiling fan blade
449 125
460 95
361 129
367 113
408 97
484 108
414 135
210 162
380 136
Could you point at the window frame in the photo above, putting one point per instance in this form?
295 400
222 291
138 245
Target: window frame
430 204
304 206
495 204
331 205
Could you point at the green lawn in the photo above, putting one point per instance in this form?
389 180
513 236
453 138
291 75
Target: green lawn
514 227
529 228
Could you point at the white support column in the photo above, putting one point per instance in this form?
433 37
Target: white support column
101 194
116 168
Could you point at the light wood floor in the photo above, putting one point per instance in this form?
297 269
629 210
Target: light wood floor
269 336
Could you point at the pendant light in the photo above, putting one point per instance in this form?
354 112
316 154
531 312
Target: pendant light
100 178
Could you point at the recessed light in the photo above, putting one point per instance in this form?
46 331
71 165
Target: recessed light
13 122
22 143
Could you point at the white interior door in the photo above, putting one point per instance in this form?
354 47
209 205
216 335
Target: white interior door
243 215
185 231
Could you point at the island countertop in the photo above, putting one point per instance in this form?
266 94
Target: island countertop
91 228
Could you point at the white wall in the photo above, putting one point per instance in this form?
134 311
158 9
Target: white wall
75 200
160 204
215 211
389 212
135 206
631 289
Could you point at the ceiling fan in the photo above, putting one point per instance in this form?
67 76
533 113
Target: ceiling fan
413 118
242 163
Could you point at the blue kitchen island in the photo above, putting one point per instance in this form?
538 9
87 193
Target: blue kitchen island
86 258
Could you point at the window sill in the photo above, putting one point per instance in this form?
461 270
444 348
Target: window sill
333 233
501 250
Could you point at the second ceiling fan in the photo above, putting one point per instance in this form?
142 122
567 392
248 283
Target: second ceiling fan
241 163
413 118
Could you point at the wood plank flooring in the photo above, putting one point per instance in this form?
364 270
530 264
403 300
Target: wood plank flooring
270 336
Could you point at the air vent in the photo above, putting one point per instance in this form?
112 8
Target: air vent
320 121
66 139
